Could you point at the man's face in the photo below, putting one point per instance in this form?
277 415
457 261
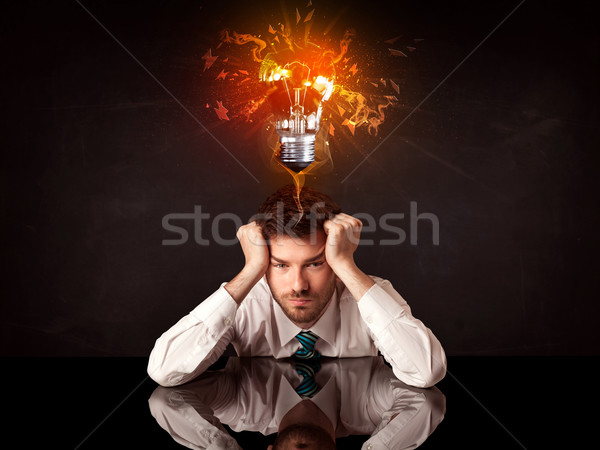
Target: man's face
300 278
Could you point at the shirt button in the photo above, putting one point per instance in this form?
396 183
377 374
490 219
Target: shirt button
369 320
227 321
369 446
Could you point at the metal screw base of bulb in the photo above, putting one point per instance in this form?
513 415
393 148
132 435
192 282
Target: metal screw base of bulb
297 150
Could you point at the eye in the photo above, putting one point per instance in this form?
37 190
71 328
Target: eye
315 264
279 266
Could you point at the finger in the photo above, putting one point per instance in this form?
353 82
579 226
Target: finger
349 224
345 218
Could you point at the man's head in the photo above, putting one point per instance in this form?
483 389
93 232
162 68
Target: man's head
305 426
285 212
298 274
304 436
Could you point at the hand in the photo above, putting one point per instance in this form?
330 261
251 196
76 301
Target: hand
343 235
255 248
257 257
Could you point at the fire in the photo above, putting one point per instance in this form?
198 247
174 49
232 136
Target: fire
293 80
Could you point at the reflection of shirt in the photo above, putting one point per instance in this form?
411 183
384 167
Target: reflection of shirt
381 320
253 394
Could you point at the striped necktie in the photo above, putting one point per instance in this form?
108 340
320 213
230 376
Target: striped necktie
307 363
307 368
307 341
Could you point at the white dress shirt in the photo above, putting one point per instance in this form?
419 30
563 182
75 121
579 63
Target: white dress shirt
381 320
254 394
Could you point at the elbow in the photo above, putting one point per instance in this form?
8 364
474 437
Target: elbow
166 379
433 377
437 370
162 376
426 376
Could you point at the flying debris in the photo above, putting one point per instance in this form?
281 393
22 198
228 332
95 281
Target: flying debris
221 111
298 17
396 52
392 40
222 75
309 16
395 86
271 30
331 129
353 69
351 125
209 59
341 110
411 49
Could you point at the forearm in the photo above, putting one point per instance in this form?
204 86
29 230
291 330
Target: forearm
355 280
189 422
243 283
416 355
412 417
196 341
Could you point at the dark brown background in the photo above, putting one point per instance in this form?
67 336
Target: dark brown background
95 153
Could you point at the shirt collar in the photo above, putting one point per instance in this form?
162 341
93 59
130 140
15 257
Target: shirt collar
325 327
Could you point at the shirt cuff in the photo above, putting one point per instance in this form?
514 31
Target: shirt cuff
378 309
217 311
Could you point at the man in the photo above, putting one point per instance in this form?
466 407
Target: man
301 294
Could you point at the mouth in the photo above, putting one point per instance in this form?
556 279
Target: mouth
300 301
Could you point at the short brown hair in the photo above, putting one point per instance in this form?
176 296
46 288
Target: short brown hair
280 214
304 435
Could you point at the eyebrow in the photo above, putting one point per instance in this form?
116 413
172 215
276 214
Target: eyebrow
313 259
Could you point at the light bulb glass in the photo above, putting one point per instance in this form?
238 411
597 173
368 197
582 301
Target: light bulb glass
300 82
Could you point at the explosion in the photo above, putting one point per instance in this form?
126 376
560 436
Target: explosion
299 88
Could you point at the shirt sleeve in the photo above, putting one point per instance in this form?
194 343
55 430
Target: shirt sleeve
416 356
189 417
190 346
412 417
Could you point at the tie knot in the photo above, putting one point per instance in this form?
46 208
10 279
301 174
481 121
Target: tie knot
307 341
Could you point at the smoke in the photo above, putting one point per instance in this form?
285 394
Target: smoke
242 39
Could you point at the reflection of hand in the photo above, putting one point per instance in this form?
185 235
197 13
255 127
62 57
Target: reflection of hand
343 235
255 249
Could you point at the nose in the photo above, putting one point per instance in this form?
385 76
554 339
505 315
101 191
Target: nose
299 282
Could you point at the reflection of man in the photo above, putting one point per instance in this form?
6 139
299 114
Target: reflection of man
258 394
300 293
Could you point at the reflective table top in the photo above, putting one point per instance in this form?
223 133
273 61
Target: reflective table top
484 402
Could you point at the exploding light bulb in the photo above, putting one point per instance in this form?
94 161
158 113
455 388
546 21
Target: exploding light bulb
299 82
